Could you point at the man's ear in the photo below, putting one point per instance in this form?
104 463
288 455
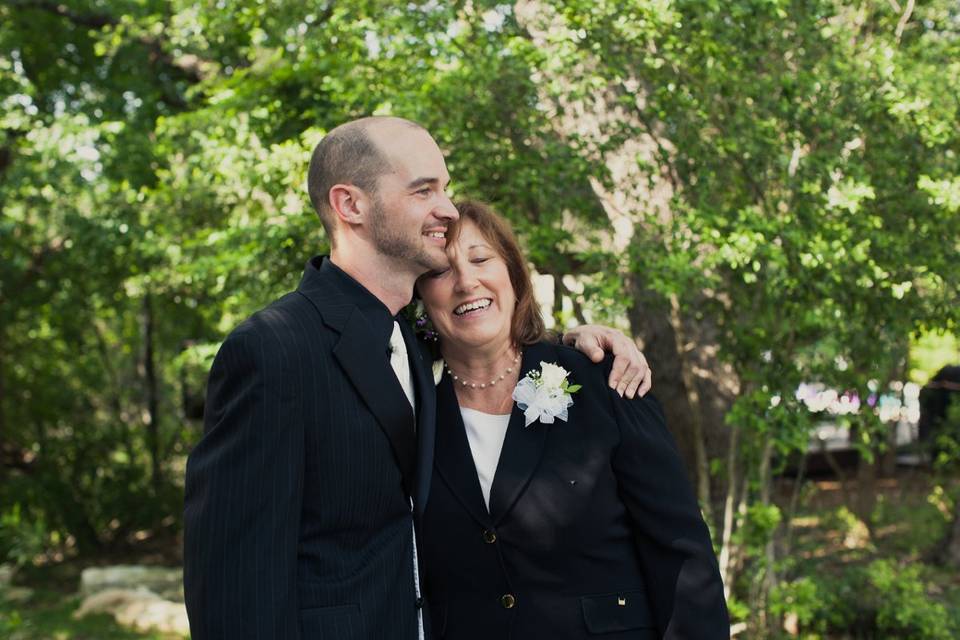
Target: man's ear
348 203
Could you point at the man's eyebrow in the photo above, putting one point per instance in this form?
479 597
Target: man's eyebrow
419 182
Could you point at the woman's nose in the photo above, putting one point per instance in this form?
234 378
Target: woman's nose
465 281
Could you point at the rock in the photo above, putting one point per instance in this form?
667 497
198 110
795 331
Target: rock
139 609
163 581
791 623
15 595
6 574
857 536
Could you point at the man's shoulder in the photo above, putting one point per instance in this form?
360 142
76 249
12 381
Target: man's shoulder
286 320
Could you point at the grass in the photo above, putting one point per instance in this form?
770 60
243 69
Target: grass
47 616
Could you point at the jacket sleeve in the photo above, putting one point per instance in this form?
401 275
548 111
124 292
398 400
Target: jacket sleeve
672 539
244 487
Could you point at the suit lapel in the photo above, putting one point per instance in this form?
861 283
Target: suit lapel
365 363
522 446
454 460
368 368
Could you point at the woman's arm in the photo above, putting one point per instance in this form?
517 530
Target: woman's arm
683 580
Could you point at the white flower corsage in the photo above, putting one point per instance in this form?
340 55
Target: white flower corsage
545 395
437 371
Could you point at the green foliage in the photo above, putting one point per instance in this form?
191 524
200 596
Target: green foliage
152 161
21 540
929 352
903 604
947 439
926 523
880 599
801 597
761 522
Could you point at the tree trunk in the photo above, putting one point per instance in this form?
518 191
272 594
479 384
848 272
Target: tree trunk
765 579
639 197
770 579
701 463
696 419
649 318
951 545
729 507
3 410
866 495
150 375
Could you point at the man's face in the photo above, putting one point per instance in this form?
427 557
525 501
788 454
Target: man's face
411 209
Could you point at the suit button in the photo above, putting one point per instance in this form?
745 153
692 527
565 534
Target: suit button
508 601
419 603
489 536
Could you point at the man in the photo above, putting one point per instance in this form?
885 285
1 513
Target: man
319 421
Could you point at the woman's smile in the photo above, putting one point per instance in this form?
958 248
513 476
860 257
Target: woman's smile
473 308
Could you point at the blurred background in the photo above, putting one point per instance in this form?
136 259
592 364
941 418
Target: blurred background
764 193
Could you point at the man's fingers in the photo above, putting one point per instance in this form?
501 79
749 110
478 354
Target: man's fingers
628 383
647 383
620 364
640 383
595 353
631 389
636 380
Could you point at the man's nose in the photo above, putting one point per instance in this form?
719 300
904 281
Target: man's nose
446 209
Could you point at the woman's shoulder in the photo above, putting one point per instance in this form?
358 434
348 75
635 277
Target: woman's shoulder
582 369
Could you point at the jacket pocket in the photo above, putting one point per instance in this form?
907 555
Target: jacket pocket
617 612
333 623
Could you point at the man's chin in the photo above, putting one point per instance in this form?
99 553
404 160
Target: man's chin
433 262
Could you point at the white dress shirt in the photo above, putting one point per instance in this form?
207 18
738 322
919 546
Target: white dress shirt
400 363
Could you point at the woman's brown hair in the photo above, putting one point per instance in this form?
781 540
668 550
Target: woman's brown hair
527 326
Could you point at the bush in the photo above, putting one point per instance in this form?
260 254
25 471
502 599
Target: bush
877 600
21 538
903 605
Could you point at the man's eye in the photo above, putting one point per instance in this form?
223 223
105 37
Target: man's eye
424 191
436 274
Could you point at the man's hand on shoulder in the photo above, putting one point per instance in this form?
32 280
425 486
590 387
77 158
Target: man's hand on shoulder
631 375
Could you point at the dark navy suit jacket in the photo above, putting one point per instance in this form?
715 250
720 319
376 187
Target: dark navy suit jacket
298 522
592 529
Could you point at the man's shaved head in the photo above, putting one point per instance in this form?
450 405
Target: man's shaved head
349 154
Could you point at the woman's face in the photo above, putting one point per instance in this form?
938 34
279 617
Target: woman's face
471 303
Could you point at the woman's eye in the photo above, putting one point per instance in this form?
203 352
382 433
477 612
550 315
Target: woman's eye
479 260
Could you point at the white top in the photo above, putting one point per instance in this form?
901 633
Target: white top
485 432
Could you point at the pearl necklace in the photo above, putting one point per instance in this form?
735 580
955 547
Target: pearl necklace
482 385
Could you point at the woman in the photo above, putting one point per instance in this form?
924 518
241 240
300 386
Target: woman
580 523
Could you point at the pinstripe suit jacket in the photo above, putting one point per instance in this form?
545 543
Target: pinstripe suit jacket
297 513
